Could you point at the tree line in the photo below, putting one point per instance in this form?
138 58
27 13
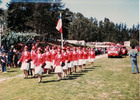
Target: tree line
41 18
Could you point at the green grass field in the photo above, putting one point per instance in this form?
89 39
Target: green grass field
11 73
110 79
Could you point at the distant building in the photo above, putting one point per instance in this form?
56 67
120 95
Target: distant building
127 43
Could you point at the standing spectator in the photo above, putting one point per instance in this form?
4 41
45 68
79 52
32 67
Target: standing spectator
10 58
3 62
0 58
133 55
2 48
96 51
19 54
104 50
16 58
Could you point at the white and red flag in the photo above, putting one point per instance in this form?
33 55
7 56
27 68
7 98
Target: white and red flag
59 24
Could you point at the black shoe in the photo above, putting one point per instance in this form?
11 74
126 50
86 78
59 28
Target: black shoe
25 77
33 76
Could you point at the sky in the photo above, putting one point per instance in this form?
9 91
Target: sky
118 11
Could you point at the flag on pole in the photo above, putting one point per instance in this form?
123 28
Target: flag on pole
59 24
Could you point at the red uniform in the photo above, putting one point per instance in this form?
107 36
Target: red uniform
65 57
33 55
58 60
69 56
39 60
80 54
25 57
47 56
75 56
53 54
85 55
92 54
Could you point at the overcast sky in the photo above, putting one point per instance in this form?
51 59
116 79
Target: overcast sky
118 11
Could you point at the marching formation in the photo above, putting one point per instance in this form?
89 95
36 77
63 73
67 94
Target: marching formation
62 61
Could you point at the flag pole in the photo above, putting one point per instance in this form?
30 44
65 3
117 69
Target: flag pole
61 40
61 33
59 28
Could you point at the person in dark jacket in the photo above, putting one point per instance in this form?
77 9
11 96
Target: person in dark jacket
10 58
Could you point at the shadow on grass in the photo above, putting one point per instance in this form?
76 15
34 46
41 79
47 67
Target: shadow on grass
85 71
90 68
50 81
70 77
96 66
11 71
73 76
117 57
49 75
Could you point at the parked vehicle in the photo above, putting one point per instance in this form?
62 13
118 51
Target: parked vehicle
124 50
137 48
114 51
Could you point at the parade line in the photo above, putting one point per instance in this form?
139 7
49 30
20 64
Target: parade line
3 79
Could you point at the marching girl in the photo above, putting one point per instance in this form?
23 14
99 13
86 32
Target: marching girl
47 58
89 50
39 62
92 56
65 60
25 57
80 57
58 62
53 54
75 58
70 61
85 57
33 55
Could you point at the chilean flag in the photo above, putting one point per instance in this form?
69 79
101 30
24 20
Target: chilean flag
59 24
